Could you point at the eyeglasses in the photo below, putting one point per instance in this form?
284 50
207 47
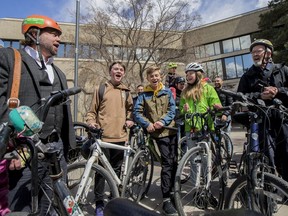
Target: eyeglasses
257 52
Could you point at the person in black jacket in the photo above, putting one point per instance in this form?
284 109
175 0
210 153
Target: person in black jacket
39 77
267 81
225 101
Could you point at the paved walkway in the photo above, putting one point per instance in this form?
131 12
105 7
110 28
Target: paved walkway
153 200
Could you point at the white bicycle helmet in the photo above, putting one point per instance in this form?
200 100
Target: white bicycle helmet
194 67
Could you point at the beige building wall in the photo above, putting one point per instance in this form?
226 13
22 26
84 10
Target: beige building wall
91 73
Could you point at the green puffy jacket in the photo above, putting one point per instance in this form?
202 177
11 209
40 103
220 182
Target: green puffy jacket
207 101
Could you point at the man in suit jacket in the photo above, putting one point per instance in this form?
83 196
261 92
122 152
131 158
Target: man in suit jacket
39 77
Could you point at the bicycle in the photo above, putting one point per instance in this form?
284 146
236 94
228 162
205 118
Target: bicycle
25 130
140 140
258 187
134 167
210 160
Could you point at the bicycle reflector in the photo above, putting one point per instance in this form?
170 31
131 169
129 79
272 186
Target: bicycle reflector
25 121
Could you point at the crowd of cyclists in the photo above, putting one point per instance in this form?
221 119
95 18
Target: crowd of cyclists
158 103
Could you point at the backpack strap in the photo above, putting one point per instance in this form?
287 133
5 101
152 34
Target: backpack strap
13 101
101 92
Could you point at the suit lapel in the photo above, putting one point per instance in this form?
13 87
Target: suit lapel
34 70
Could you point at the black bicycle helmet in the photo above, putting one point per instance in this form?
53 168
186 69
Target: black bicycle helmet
263 42
179 80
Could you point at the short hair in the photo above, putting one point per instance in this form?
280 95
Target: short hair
117 62
140 85
151 69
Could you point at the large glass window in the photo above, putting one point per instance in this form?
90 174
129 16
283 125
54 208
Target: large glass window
227 46
213 69
219 68
239 66
60 52
245 41
217 48
209 50
230 68
247 62
236 44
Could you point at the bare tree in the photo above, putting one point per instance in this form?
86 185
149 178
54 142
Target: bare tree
138 32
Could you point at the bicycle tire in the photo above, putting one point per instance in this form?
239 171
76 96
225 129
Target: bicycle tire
275 190
134 185
187 196
86 201
182 149
227 144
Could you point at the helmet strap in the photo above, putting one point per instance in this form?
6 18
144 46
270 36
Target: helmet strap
37 42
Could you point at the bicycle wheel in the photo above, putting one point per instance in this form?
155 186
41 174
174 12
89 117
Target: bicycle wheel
137 179
81 133
182 149
87 201
203 193
227 146
269 199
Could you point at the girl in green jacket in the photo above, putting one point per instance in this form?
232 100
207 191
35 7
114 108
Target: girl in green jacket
197 97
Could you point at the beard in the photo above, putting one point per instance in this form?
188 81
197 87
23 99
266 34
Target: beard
257 63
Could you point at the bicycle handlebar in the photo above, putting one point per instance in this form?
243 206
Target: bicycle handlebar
58 97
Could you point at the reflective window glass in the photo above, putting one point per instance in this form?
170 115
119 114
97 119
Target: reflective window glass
247 61
239 66
236 44
211 69
230 68
60 53
219 68
209 50
227 46
245 42
217 48
69 51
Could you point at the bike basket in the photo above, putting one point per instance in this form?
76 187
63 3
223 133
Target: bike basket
25 121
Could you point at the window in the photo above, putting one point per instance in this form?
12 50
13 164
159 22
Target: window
60 53
213 69
236 44
239 66
245 41
217 48
230 68
247 62
209 50
227 46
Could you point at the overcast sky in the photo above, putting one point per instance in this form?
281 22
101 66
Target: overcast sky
62 10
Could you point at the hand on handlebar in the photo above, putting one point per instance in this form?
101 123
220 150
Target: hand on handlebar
150 128
129 123
269 93
158 125
94 125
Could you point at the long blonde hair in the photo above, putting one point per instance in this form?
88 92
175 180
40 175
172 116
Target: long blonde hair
195 90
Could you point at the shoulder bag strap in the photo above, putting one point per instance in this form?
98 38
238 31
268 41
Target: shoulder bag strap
13 101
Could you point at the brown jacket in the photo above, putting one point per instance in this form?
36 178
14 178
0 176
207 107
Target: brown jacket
112 113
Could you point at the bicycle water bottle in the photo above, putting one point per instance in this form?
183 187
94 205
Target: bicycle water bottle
254 141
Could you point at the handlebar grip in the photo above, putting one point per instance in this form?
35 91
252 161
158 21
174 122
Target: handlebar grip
71 91
236 95
225 108
170 128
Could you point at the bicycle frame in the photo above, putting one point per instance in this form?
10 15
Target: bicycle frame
97 154
55 172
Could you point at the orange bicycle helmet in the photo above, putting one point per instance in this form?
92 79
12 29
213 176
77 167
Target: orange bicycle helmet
39 21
